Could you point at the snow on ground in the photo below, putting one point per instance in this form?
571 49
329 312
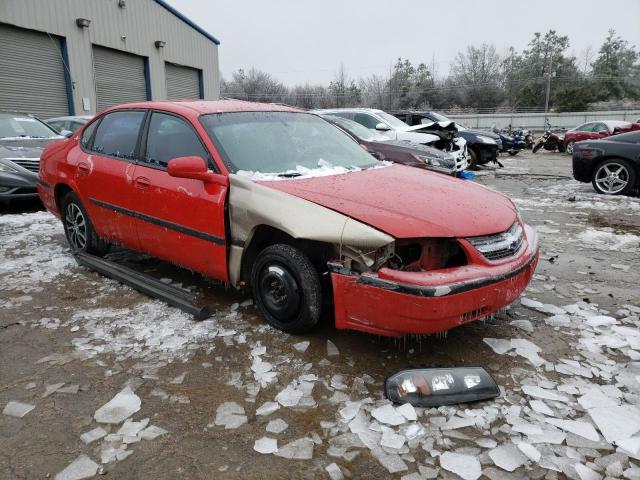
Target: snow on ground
577 416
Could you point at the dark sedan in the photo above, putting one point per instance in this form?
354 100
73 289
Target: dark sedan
612 165
397 151
22 139
483 146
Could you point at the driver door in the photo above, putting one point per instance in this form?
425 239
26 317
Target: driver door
181 220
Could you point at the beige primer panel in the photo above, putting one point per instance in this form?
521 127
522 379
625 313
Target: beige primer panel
252 205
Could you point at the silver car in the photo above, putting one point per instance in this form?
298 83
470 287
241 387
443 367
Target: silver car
68 124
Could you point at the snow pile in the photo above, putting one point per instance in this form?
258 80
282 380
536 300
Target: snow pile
607 239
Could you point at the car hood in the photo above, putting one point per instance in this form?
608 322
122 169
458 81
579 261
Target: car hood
433 126
484 133
407 202
27 148
416 148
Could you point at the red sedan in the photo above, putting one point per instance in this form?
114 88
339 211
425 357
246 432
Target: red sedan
596 131
280 201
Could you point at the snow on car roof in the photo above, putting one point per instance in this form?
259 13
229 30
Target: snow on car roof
616 123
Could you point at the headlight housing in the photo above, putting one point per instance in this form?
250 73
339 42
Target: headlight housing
436 162
433 387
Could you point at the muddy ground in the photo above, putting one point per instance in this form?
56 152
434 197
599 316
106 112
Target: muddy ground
60 323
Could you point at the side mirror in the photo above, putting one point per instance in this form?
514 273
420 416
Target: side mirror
382 127
66 133
196 169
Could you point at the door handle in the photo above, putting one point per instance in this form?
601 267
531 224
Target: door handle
83 168
142 182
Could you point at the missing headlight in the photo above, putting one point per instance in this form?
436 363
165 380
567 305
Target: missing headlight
434 387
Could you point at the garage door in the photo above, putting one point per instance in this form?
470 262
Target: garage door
120 77
182 82
32 78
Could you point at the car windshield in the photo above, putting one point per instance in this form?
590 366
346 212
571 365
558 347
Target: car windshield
394 122
14 126
360 131
439 118
270 145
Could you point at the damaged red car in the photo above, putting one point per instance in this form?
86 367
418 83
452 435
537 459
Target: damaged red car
278 200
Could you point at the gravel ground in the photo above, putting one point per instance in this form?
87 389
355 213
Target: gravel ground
202 397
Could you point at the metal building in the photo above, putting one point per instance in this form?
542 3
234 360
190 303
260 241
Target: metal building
77 57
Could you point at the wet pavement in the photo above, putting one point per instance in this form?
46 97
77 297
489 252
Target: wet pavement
71 340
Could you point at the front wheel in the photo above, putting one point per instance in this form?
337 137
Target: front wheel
287 288
537 147
569 148
473 160
614 176
78 228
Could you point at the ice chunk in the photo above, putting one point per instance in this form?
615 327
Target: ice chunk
486 443
586 473
334 472
498 345
530 451
152 432
119 408
391 461
301 449
267 408
179 379
332 350
50 389
276 426
392 440
595 398
407 411
301 346
17 409
507 457
525 325
290 396
71 389
350 410
387 414
266 445
131 429
81 467
465 466
541 307
541 407
583 429
616 423
539 392
93 435
230 415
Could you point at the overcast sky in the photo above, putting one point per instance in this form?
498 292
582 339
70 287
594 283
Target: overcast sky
300 41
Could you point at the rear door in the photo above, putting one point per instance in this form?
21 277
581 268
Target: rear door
180 220
105 164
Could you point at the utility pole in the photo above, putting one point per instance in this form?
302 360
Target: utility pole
548 94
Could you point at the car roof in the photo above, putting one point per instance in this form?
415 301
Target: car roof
71 117
615 123
199 107
332 110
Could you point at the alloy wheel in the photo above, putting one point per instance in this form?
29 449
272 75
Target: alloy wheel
76 227
569 149
612 178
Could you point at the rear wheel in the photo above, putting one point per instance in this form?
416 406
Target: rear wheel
614 176
287 288
78 228
569 148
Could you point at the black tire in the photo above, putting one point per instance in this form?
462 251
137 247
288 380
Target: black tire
569 148
537 147
286 288
473 159
625 171
78 227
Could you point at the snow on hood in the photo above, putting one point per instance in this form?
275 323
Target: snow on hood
407 202
324 169
23 147
433 126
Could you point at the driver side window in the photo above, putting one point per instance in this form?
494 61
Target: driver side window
366 120
171 137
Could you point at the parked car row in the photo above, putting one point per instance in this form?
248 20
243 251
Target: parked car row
284 203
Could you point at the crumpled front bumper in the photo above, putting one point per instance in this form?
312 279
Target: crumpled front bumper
430 302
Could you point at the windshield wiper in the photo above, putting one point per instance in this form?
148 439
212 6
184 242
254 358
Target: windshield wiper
289 174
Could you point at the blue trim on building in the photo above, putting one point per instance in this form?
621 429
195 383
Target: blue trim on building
200 85
164 4
67 77
147 78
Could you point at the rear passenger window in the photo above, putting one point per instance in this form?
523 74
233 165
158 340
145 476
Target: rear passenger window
117 134
366 120
170 137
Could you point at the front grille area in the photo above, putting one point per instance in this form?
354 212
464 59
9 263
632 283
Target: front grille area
501 245
31 164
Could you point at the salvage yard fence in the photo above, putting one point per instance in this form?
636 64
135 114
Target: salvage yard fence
536 121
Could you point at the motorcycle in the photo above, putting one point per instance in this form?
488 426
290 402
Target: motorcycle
511 144
550 141
526 135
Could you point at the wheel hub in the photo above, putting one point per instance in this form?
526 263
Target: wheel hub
279 292
612 178
76 227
